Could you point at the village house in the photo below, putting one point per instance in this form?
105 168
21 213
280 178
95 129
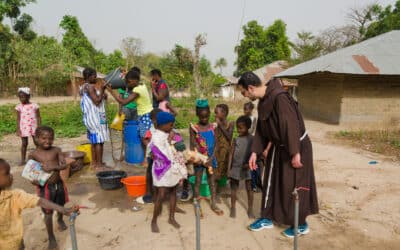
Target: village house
357 86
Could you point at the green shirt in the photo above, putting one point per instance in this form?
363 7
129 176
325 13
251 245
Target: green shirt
125 94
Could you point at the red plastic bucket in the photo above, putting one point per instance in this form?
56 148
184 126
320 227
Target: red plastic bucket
135 185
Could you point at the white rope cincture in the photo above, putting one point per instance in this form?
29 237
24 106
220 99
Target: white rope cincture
269 177
304 135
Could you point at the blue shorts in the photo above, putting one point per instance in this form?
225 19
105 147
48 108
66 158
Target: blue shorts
144 124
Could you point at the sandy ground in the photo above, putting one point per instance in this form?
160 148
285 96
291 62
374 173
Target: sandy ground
359 208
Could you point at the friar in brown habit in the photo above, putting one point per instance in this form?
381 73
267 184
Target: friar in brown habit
289 161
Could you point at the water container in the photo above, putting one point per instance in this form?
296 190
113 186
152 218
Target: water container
134 153
115 78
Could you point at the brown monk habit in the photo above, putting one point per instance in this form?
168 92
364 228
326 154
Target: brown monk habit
280 122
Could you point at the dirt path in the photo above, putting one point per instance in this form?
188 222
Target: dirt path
359 208
38 99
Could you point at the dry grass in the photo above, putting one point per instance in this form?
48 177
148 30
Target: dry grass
385 142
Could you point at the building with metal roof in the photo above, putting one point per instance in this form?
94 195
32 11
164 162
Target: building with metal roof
357 86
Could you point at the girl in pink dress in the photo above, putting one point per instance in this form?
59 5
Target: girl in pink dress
28 119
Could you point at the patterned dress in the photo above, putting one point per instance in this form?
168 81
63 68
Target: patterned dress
28 118
94 117
222 154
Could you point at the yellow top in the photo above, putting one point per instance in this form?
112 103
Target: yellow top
12 202
143 101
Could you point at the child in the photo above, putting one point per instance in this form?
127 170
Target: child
166 106
239 167
248 111
148 197
12 202
167 171
28 119
202 138
223 133
94 116
52 161
141 95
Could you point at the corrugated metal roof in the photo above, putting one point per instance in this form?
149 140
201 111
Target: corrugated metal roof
379 55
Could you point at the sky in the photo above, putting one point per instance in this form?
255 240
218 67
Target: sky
162 24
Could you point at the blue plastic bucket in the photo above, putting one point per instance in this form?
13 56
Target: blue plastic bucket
134 153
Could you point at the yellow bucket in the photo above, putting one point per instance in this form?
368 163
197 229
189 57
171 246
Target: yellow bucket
118 122
88 150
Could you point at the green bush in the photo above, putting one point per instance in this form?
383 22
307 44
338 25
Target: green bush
64 117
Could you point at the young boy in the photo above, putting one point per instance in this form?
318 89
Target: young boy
52 160
239 164
12 202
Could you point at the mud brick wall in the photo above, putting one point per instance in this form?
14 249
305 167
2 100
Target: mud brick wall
319 97
371 102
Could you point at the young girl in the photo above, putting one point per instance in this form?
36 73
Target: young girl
223 133
239 167
28 119
248 111
94 116
202 138
168 169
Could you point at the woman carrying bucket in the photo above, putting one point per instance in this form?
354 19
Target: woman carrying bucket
141 96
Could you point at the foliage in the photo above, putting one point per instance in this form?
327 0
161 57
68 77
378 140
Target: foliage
307 47
132 48
64 117
76 42
378 141
261 46
220 63
383 20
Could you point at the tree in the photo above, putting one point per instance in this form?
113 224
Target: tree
261 46
220 63
132 48
306 47
386 19
199 42
77 44
361 18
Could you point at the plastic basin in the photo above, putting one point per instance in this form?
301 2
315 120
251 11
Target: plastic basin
111 179
135 185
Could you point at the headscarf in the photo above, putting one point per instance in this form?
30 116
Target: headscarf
201 103
25 90
164 118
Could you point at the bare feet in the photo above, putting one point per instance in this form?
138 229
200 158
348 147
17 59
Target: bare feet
154 227
173 222
179 210
61 225
233 212
216 210
250 214
52 244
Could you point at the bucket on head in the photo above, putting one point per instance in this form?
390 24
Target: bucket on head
134 153
115 79
204 187
135 185
87 149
